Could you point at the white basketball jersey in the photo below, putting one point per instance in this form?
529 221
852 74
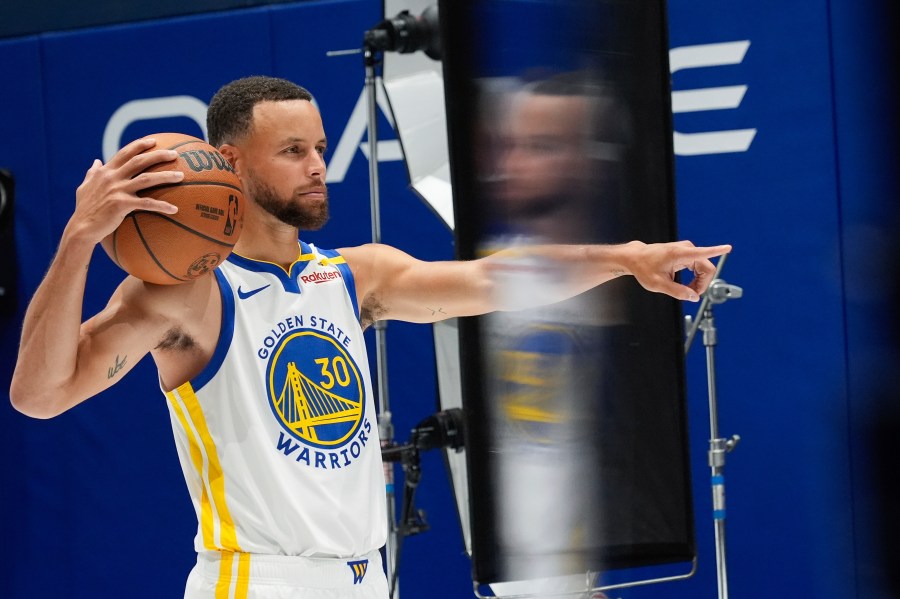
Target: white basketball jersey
278 435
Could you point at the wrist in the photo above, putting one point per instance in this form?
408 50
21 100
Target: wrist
626 257
76 241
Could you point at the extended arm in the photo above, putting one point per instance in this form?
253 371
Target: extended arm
393 285
61 361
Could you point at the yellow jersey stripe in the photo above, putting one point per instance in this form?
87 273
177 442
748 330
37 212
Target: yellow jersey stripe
335 260
206 516
223 585
227 535
243 576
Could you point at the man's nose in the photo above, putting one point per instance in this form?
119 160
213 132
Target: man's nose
317 166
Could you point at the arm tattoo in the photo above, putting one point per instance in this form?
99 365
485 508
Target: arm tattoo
114 370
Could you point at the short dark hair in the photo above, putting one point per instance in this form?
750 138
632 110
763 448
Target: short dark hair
230 112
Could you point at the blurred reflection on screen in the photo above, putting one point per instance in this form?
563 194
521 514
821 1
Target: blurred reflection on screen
559 114
554 151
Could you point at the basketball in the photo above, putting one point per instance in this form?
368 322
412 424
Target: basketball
169 249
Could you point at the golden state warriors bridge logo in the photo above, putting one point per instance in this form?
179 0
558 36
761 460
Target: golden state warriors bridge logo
315 390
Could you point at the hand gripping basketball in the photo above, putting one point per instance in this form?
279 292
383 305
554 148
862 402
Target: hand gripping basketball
174 248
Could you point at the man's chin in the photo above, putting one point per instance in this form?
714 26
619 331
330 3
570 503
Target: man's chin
310 221
316 225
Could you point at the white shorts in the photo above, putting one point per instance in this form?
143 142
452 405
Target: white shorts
224 575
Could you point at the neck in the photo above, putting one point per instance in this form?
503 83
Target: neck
268 239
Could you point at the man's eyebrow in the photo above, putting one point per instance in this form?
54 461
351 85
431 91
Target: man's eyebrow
291 140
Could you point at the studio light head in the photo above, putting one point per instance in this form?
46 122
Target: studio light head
443 429
7 188
406 34
6 195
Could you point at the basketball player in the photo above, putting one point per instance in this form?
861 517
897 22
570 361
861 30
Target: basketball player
263 362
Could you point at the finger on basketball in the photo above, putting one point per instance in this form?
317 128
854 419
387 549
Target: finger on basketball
148 179
149 204
142 162
129 151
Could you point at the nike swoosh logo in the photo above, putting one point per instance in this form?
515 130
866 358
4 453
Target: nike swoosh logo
245 294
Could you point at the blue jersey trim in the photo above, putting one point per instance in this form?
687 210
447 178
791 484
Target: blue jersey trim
347 275
288 280
226 334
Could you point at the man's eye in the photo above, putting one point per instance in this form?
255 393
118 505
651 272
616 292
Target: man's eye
321 150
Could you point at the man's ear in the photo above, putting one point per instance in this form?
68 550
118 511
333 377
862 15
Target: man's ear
233 155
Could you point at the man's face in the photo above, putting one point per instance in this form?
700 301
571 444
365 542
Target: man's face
544 158
282 164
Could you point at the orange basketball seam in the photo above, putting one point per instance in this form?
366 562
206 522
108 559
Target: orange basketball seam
183 183
184 226
150 252
115 249
184 143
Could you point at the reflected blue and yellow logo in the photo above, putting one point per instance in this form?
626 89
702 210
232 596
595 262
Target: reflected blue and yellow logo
536 372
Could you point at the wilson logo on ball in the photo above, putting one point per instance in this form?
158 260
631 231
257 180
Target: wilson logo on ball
203 160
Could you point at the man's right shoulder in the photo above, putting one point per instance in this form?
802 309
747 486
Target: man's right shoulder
171 301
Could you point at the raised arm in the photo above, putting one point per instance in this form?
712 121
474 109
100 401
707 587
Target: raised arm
393 285
61 361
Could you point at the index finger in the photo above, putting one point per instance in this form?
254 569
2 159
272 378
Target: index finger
138 164
131 150
707 252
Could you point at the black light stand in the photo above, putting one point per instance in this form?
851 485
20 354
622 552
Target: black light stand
412 521
445 429
385 422
718 292
403 33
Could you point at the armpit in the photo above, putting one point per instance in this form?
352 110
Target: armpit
372 309
177 339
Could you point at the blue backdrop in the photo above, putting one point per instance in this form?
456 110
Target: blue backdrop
94 503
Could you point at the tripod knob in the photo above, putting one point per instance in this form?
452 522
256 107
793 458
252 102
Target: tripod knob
731 443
